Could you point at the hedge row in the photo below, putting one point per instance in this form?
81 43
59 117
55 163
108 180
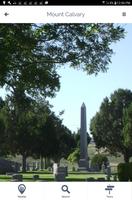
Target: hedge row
125 171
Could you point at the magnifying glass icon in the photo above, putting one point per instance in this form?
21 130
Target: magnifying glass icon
65 188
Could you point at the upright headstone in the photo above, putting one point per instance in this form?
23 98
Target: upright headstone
55 169
83 162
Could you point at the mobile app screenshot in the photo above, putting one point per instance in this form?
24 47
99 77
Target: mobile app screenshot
65 100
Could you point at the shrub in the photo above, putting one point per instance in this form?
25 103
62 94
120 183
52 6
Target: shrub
130 171
2 171
101 179
115 177
123 171
73 169
90 179
49 169
98 160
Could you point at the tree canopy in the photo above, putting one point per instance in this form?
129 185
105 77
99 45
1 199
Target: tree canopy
30 53
127 126
37 132
107 125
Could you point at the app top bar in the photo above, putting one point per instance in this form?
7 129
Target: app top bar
66 14
67 2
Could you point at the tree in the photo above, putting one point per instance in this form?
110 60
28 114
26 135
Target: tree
2 103
98 160
107 125
30 53
3 146
25 75
74 156
17 132
66 142
37 132
127 126
54 139
21 132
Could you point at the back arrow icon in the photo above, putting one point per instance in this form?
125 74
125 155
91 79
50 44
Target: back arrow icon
6 14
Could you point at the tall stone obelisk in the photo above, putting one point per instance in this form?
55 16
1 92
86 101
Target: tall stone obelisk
83 162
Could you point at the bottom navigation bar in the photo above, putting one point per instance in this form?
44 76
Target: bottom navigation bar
64 190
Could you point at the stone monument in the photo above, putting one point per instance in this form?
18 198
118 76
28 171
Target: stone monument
83 162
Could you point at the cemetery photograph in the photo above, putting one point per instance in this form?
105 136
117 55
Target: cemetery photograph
65 102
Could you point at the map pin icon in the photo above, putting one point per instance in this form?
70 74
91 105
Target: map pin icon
21 188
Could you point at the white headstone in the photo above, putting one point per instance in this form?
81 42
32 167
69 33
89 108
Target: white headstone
55 168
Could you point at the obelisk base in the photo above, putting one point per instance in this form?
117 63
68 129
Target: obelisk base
83 165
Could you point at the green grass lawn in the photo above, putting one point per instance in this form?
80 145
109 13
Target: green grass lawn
49 176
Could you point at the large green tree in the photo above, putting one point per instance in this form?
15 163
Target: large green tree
20 131
107 125
31 53
3 147
127 126
23 67
37 132
54 139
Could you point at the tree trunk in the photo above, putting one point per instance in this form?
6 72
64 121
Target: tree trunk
24 163
46 162
41 162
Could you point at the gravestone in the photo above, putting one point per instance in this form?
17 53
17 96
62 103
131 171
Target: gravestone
63 170
17 177
103 168
35 177
60 177
94 168
83 162
37 166
55 168
60 173
108 172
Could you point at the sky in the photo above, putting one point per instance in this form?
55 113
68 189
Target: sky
78 87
